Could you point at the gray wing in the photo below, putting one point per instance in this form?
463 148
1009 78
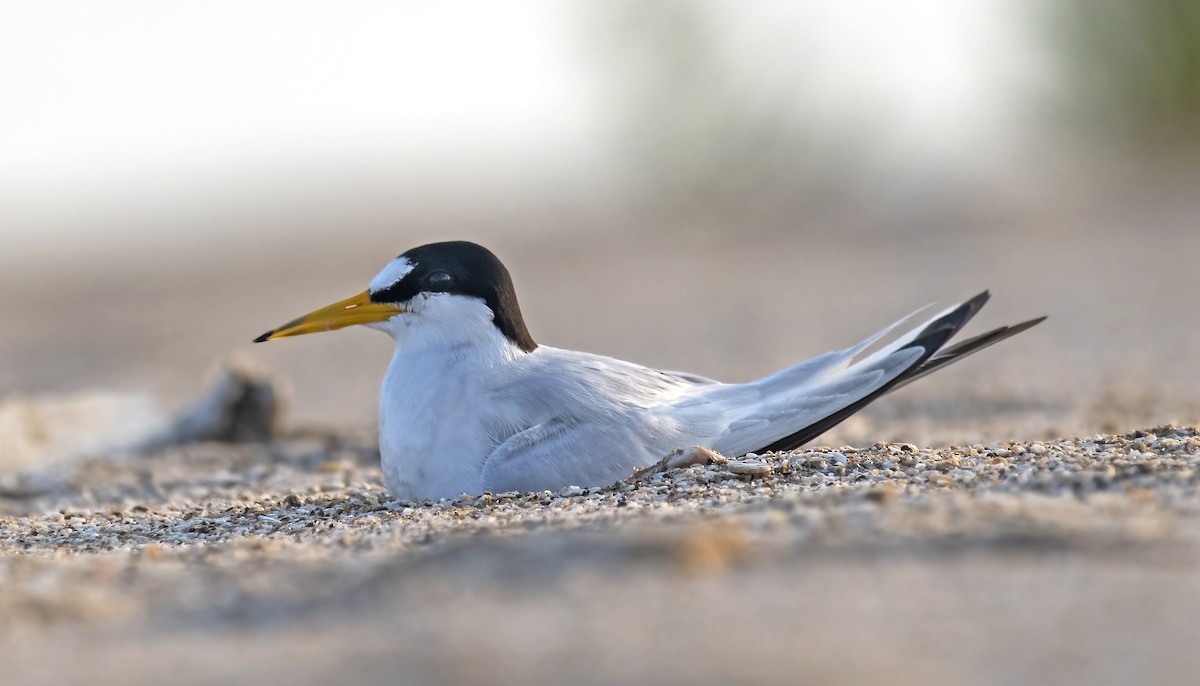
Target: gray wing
599 418
582 420
689 378
602 418
558 453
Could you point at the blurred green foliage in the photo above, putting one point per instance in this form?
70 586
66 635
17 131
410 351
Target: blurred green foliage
1131 68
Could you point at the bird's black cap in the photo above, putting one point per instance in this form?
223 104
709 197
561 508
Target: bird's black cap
462 268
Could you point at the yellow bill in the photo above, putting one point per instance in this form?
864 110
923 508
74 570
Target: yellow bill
351 311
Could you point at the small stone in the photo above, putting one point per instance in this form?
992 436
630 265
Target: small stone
964 475
749 468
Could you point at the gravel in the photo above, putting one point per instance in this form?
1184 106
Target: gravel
331 492
237 560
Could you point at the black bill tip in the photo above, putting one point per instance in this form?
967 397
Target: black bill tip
263 338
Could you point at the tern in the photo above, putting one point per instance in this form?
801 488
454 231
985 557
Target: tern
472 404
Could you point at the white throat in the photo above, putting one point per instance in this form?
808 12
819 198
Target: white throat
446 325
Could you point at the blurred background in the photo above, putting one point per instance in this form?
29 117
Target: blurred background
717 186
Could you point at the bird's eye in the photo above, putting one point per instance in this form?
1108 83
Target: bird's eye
439 281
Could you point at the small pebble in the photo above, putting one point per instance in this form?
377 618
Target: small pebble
749 468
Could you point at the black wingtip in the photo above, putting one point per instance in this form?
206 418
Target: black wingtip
978 302
1024 326
1010 331
940 330
265 337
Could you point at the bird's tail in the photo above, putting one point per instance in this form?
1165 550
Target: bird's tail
817 399
962 349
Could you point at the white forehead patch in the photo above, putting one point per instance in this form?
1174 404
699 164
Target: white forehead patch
391 274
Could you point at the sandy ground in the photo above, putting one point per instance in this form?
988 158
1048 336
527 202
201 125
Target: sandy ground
992 550
1009 563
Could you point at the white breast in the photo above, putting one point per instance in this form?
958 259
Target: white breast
436 424
432 441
